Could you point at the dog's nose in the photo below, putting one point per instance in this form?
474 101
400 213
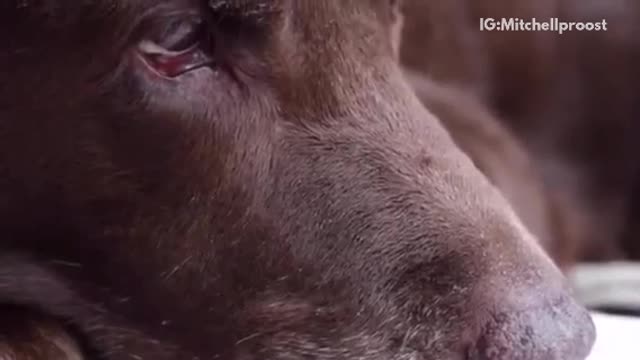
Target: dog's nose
558 330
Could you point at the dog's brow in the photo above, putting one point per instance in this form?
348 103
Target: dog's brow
248 8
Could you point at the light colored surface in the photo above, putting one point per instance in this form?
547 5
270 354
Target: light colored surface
614 285
618 338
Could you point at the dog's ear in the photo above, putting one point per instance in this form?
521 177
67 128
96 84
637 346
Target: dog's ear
28 335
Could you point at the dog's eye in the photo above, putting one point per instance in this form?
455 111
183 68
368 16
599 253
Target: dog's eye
181 45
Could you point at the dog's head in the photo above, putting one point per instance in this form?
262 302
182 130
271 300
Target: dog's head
248 179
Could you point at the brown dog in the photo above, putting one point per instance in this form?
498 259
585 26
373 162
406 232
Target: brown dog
247 179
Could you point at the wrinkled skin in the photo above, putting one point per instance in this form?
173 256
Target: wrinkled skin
294 200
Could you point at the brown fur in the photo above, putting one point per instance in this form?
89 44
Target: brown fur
493 149
27 335
505 161
295 200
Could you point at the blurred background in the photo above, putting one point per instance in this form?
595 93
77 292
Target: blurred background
550 118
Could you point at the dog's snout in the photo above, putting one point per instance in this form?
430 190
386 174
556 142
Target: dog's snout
561 329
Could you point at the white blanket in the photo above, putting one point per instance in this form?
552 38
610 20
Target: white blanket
618 338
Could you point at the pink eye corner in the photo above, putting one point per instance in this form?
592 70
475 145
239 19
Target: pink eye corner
178 49
173 64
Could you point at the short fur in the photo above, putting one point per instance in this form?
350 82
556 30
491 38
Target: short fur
493 149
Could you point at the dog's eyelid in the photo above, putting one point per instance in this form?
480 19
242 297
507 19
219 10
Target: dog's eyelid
181 45
179 34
